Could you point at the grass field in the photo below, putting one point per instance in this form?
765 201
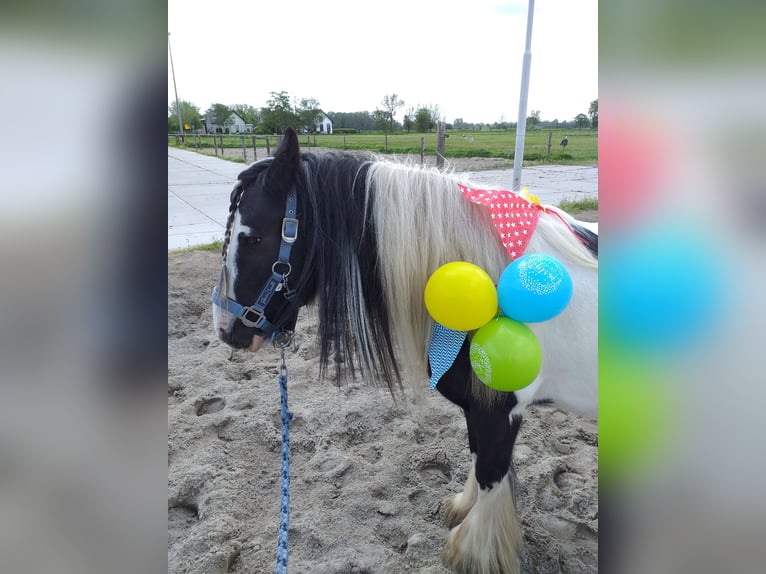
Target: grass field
582 147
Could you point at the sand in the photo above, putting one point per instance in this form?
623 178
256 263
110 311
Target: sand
368 476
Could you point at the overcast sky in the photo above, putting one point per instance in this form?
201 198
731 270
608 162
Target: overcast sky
463 55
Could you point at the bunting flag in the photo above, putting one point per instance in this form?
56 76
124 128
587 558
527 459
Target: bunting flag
445 345
514 217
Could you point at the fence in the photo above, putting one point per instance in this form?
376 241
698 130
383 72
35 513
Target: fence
541 145
250 145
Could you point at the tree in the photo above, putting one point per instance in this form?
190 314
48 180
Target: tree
360 121
533 121
219 113
593 114
190 115
391 103
423 120
459 124
408 122
308 114
380 117
581 121
278 113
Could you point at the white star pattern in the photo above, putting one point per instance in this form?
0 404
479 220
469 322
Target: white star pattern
508 211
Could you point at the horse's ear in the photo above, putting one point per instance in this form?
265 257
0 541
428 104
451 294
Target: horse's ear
287 158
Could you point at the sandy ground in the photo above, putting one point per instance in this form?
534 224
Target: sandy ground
368 477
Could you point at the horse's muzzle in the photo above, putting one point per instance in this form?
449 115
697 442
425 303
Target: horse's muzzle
233 332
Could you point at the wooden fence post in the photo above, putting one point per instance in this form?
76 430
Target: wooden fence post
386 142
440 144
255 153
315 141
244 149
215 145
550 135
344 141
268 147
196 141
422 150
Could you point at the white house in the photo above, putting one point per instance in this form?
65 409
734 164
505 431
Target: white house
237 125
324 124
234 125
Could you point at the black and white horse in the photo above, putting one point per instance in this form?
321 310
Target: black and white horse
360 238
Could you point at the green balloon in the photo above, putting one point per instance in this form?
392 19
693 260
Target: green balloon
505 355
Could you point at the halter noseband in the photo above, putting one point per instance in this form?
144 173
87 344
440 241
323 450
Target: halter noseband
255 315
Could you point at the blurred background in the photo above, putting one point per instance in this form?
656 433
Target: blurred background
682 315
83 277
83 287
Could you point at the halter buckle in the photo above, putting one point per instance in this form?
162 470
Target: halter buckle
261 317
289 230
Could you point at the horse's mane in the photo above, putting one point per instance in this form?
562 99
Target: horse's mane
379 230
355 329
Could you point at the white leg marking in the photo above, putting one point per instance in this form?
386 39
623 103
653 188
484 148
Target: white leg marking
489 539
458 505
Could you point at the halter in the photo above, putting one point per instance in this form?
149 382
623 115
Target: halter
255 315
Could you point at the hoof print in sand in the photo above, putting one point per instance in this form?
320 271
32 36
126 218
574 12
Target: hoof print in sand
435 471
209 406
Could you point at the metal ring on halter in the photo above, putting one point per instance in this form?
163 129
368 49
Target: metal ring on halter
286 273
282 339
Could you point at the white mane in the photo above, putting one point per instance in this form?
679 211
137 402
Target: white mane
422 221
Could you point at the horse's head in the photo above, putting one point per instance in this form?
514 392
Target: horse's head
264 251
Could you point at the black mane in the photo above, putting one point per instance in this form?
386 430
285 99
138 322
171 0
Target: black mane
590 238
335 212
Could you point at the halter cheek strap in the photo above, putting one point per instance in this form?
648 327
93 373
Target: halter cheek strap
255 315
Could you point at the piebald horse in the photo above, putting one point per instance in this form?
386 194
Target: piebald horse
360 238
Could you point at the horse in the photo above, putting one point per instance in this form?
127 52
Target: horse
359 238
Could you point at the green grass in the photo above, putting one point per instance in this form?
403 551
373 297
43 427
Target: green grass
576 206
582 148
214 245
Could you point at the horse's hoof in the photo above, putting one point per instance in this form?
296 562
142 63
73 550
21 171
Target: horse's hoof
488 540
460 557
455 508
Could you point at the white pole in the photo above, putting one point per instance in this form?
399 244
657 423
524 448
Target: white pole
521 126
178 108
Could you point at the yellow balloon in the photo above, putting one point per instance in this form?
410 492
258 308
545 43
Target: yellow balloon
461 296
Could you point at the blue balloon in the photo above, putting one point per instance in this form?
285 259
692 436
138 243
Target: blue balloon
534 288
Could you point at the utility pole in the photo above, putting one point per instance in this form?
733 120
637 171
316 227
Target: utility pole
521 126
178 107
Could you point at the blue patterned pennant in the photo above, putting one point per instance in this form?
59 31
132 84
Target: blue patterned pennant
445 345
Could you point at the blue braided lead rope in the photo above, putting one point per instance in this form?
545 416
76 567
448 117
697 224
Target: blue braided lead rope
284 509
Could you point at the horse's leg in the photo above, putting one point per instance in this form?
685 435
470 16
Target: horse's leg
488 539
455 385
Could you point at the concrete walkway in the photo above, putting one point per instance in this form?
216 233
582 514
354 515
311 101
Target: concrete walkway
198 197
199 187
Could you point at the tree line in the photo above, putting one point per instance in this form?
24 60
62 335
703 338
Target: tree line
304 114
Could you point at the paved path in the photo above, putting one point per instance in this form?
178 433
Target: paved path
198 197
199 187
550 183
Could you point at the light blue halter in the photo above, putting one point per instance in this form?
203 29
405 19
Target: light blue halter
255 315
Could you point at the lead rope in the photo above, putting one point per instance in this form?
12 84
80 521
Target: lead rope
282 340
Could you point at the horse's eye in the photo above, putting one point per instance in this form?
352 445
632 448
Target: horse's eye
252 240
